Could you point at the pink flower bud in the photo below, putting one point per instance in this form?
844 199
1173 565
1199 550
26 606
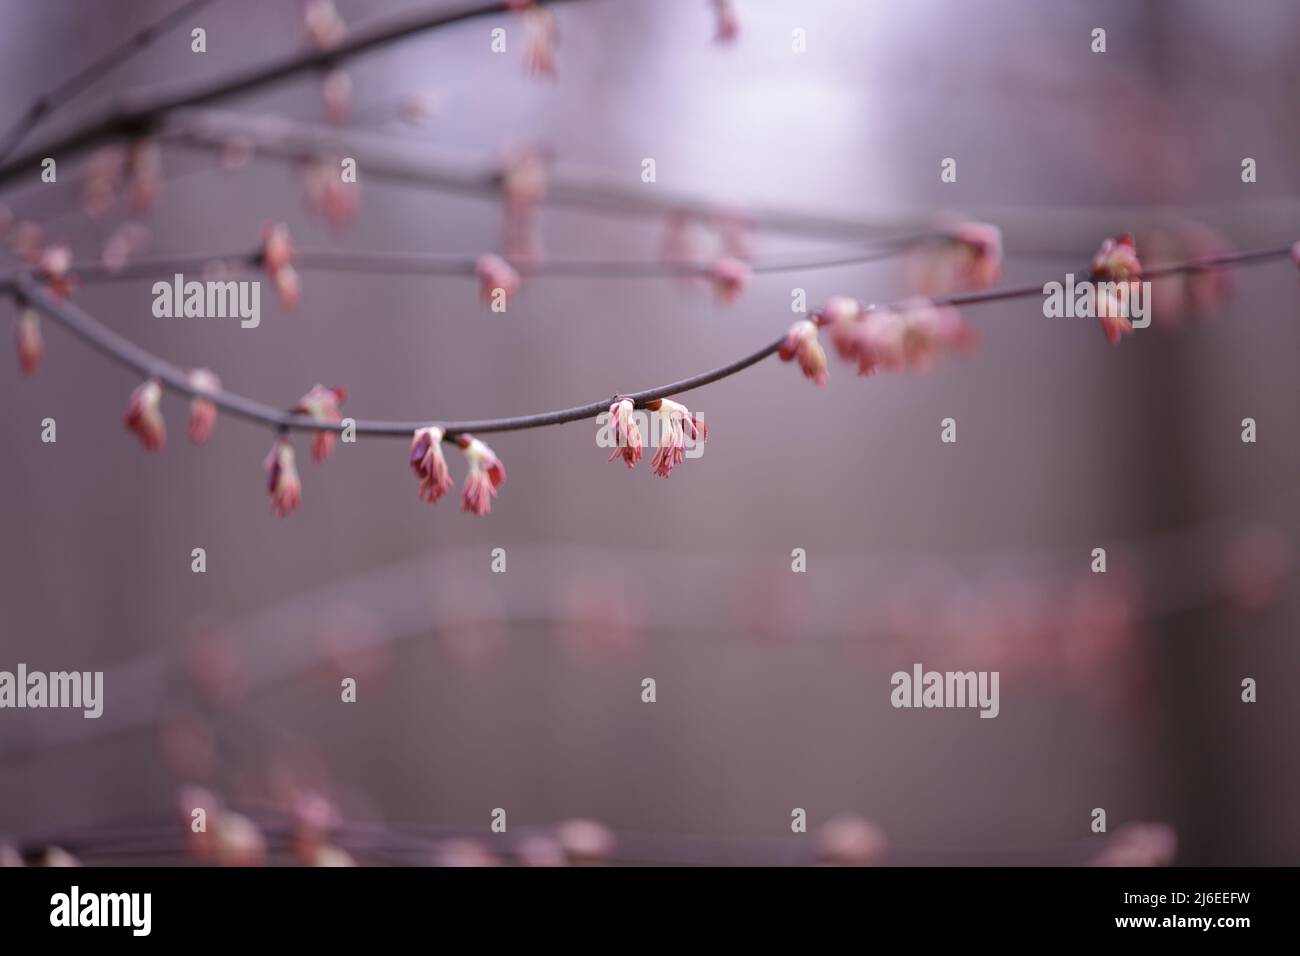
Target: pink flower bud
675 423
486 475
930 330
282 475
29 342
144 417
429 465
120 247
626 433
729 277
322 404
841 316
801 341
848 840
203 413
881 337
585 842
321 22
495 273
144 172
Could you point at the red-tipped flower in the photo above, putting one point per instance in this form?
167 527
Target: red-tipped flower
322 404
486 475
1116 261
282 478
203 413
429 465
626 432
675 423
144 417
801 342
29 342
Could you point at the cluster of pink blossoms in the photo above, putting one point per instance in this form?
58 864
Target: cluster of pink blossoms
486 473
909 335
675 421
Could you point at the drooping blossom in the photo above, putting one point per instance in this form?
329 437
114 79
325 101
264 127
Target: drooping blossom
540 40
29 341
523 187
801 342
729 278
627 433
322 404
417 107
429 465
327 195
144 172
1115 262
675 423
840 316
56 270
282 478
203 413
277 259
336 94
495 273
324 27
881 341
144 416
930 330
102 180
966 256
728 21
486 475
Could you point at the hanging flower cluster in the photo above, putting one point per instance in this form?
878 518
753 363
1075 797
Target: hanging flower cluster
277 259
486 473
729 277
1117 263
675 422
322 404
968 259
282 478
801 343
909 335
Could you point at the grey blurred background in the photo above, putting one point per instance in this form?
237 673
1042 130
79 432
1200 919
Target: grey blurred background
522 690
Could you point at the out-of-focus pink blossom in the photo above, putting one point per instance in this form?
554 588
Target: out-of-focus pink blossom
460 852
841 315
1210 287
56 856
144 172
729 278
28 242
538 849
495 273
540 40
727 21
585 842
282 478
321 22
144 417
627 433
523 187
336 94
429 464
322 404
237 152
1117 260
29 341
881 341
288 287
969 257
203 413
277 247
102 180
848 840
327 195
1139 844
125 242
981 254
930 330
801 342
238 841
675 423
486 475
56 269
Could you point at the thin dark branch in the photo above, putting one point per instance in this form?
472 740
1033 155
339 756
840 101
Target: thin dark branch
127 353
139 117
69 89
